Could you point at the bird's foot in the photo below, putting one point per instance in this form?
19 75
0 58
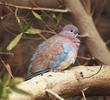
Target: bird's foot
56 70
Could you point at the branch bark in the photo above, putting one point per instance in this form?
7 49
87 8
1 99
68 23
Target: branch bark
69 82
85 23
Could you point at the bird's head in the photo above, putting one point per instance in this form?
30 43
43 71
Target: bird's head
70 31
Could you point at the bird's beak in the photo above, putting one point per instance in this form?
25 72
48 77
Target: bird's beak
77 35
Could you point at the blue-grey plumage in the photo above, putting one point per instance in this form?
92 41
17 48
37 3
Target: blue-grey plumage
58 52
60 57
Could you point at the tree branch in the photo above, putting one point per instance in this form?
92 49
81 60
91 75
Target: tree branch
69 82
85 23
34 8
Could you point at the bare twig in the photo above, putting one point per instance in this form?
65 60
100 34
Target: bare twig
54 94
30 8
7 53
95 73
83 94
49 31
89 6
85 6
16 11
42 36
84 58
84 36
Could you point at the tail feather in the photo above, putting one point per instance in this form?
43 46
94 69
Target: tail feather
31 75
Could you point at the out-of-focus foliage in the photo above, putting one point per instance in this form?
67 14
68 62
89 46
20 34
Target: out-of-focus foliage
13 29
57 18
26 28
43 15
14 42
8 85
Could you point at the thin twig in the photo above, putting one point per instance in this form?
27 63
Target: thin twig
54 94
42 36
16 11
89 6
34 8
85 6
96 72
84 36
6 53
10 9
84 97
78 78
78 62
52 32
94 7
84 58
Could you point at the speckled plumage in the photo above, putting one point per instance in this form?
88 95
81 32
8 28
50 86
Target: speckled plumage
58 52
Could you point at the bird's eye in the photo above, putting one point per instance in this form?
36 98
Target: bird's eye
71 30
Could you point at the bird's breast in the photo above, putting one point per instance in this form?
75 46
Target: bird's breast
71 57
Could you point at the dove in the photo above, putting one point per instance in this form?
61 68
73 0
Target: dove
56 53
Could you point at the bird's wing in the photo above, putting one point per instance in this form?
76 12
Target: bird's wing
49 54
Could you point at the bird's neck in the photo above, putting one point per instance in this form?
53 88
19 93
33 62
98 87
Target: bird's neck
74 40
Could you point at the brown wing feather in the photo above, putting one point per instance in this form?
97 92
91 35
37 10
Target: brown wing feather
52 47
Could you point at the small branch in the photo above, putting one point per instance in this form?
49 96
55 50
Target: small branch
42 36
89 6
84 97
95 73
84 36
16 11
54 94
84 58
52 32
6 53
34 8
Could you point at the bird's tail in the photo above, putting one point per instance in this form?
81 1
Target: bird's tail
31 75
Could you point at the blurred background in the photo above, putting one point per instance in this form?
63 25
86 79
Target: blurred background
13 14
